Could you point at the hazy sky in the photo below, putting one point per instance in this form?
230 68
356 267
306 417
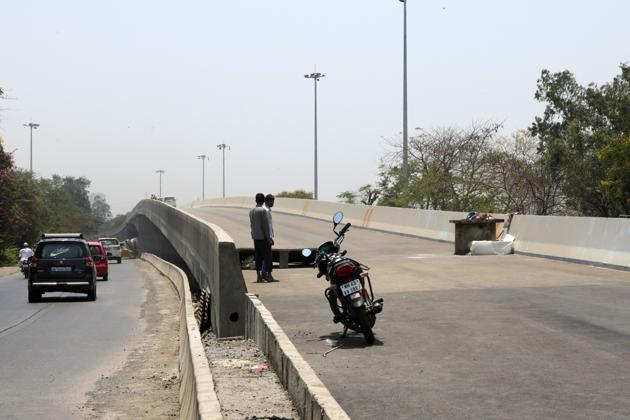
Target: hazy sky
122 88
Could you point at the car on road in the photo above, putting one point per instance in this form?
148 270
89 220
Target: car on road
62 263
112 247
170 201
102 266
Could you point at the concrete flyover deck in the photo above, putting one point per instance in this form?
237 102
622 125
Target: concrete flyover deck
460 336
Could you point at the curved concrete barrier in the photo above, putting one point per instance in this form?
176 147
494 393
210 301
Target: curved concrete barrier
591 240
431 224
206 250
311 397
196 389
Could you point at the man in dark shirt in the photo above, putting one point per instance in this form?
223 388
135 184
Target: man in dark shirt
268 259
259 224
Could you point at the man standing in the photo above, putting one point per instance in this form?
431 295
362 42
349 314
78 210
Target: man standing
259 224
268 261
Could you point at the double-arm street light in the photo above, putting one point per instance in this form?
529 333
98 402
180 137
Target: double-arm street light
32 126
316 77
160 171
222 147
203 175
405 167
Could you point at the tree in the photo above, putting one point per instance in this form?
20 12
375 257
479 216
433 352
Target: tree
578 128
616 186
100 209
523 183
449 170
347 197
296 194
366 194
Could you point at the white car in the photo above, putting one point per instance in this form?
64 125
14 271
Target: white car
170 201
112 247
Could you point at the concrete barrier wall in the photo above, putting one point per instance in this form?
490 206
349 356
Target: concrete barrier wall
430 224
592 240
312 399
196 389
597 240
210 255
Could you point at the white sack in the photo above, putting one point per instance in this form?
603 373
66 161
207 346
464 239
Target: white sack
491 247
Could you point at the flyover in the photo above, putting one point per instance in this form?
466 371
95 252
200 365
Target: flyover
460 337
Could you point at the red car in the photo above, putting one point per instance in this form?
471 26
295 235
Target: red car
102 266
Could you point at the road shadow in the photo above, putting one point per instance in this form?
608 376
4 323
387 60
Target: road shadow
72 298
353 340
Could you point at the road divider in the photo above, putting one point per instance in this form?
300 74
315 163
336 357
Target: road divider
197 397
311 397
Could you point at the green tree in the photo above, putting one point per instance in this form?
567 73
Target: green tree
367 194
449 170
577 127
100 209
347 197
616 186
296 194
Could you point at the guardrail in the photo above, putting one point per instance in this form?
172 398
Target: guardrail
590 240
208 252
196 390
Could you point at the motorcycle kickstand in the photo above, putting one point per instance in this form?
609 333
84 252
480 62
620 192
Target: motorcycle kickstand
345 330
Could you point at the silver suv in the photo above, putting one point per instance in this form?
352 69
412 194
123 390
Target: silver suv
112 247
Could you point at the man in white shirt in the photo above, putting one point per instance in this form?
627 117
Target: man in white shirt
25 253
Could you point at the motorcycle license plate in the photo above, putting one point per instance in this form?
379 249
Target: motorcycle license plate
351 287
60 269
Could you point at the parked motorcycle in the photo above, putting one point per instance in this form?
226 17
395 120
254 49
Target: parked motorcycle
350 301
24 264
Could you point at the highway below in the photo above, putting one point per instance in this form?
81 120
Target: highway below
460 337
54 352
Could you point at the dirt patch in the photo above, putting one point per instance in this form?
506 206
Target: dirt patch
148 385
246 384
5 271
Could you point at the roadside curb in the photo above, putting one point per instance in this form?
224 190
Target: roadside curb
311 397
197 396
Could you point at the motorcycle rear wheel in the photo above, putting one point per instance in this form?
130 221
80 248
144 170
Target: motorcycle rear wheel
366 326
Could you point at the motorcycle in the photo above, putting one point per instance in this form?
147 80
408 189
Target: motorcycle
350 301
24 264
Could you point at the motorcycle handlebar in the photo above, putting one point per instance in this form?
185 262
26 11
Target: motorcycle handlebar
345 228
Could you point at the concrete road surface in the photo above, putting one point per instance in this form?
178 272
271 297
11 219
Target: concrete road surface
52 353
460 337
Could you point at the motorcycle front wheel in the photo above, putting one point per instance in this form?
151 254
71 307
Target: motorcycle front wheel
366 326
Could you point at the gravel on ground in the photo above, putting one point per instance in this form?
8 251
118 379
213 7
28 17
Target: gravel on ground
246 384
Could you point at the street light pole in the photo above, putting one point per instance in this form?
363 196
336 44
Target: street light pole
222 147
32 126
405 168
316 77
203 175
160 171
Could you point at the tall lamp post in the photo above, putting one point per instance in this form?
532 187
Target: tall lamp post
160 171
203 175
32 126
316 77
405 168
222 147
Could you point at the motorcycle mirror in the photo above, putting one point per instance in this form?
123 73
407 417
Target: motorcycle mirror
306 252
337 218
